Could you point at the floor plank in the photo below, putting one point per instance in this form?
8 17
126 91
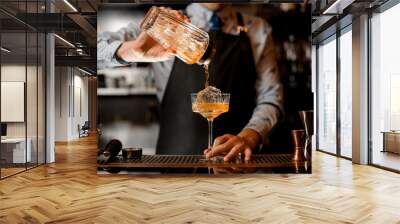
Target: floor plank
70 191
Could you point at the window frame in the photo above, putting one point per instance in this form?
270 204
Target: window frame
333 37
346 29
330 38
378 10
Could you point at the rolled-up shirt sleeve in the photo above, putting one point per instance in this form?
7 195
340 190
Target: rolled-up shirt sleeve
109 42
269 99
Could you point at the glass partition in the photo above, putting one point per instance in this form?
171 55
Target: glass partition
31 97
22 89
15 149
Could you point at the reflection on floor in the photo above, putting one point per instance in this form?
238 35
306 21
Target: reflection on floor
346 152
10 171
70 191
387 159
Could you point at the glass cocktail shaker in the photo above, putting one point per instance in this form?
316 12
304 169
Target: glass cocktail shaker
190 43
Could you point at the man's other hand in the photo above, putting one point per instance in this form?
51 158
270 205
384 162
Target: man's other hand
231 145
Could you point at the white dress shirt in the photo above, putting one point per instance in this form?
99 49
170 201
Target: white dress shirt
269 90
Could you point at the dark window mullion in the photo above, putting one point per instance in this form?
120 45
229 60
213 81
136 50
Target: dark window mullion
338 95
317 97
37 90
369 100
26 86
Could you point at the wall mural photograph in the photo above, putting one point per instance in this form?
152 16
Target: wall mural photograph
206 88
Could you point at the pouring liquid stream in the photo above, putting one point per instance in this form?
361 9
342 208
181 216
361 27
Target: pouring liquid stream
205 66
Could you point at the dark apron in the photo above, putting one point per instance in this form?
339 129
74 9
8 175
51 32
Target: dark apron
183 132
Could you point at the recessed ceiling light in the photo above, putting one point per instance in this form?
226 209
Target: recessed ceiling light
84 71
70 5
5 50
337 7
64 40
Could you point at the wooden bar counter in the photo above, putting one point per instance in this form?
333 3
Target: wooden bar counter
261 163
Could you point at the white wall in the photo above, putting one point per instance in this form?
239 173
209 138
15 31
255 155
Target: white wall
12 73
71 87
80 103
61 103
33 126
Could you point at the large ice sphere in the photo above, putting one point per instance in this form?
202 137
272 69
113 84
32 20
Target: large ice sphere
209 94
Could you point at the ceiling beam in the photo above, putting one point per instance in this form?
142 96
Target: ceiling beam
78 61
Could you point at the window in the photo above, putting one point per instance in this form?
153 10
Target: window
326 135
346 93
385 88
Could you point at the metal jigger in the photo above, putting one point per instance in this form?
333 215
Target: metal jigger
307 118
298 137
298 143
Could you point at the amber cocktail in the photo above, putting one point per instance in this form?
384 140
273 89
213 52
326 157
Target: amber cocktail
210 108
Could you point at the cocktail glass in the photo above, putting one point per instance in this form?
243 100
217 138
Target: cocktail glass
210 107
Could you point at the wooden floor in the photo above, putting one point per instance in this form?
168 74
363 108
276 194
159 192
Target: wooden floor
70 191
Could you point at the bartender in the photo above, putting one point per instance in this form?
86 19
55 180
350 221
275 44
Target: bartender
244 65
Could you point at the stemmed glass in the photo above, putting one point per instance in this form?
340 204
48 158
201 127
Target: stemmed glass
210 107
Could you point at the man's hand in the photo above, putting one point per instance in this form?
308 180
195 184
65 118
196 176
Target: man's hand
146 49
143 49
231 145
